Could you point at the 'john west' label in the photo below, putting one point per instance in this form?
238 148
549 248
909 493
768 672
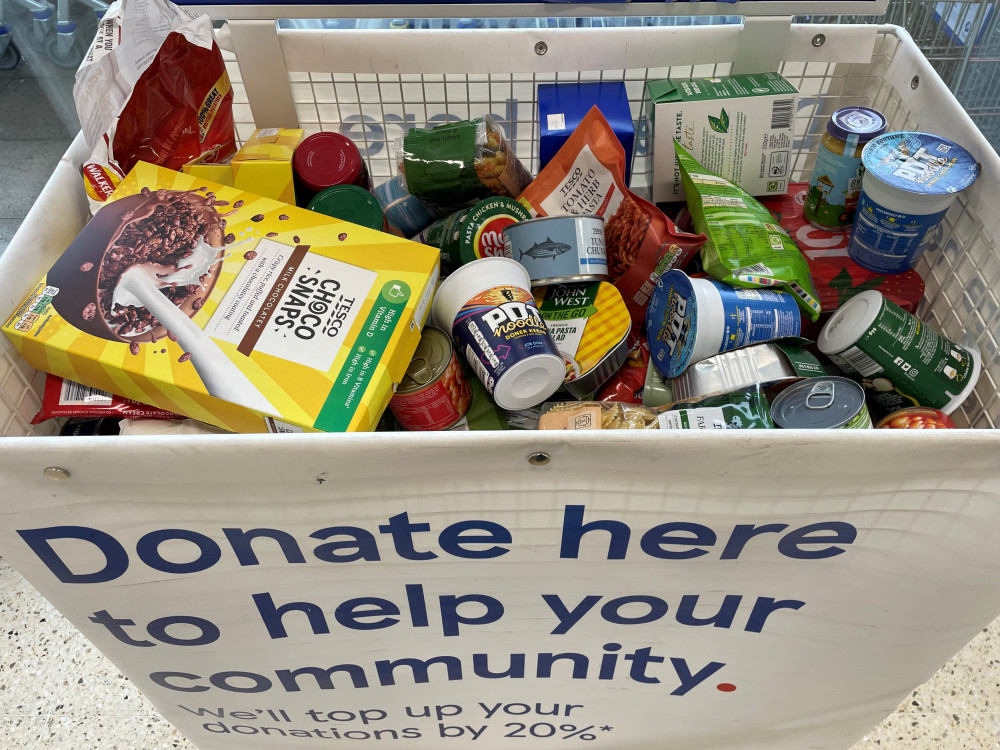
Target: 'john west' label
292 304
497 329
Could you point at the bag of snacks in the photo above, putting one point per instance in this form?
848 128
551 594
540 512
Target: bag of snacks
745 248
587 176
64 398
153 87
743 409
627 384
458 163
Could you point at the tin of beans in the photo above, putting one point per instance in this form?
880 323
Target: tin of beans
559 249
434 394
916 418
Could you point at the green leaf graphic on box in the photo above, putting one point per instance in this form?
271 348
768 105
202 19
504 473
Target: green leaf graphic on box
844 285
720 124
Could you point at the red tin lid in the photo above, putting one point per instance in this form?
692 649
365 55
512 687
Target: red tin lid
326 159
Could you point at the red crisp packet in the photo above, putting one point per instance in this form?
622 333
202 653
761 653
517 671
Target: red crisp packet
626 385
64 398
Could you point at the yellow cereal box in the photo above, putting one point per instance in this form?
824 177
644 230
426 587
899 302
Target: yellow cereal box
234 309
264 164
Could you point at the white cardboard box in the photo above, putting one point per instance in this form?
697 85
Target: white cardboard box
737 126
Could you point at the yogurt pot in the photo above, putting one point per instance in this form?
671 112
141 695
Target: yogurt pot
689 320
559 249
911 180
899 359
488 307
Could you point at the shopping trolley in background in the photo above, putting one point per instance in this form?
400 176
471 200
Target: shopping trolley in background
962 41
60 32
195 530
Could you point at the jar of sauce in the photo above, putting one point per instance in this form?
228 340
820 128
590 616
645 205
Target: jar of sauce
835 185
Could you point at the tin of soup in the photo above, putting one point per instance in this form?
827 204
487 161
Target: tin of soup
559 249
821 404
326 159
900 360
434 394
350 203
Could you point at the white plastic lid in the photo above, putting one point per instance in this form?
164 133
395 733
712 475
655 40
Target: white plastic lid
530 382
850 322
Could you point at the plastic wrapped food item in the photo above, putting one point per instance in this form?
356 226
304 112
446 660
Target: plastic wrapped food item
597 415
64 398
745 248
587 176
153 87
627 384
459 163
743 409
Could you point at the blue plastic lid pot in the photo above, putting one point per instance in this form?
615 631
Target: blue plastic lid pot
920 163
863 123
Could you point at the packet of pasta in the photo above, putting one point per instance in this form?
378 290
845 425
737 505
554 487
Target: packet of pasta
745 246
458 163
587 176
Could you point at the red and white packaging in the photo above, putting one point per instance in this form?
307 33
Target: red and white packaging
64 398
153 87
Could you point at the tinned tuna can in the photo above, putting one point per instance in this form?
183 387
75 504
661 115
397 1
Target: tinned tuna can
559 249
821 404
434 394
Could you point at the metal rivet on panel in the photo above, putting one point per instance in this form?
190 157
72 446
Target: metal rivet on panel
819 40
541 48
915 82
539 459
54 472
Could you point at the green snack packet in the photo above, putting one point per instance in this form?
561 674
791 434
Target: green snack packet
745 409
745 248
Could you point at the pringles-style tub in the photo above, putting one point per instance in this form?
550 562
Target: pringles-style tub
488 307
911 180
689 320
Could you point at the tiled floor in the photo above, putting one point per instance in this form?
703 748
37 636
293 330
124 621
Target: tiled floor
37 123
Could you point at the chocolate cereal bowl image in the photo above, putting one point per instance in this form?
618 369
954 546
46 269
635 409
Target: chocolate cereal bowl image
173 239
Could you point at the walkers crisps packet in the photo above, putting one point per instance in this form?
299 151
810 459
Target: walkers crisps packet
153 87
236 310
745 248
587 176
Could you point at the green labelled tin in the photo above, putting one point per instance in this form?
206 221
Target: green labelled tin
822 404
350 203
899 359
473 233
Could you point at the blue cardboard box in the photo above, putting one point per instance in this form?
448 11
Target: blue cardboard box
561 107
